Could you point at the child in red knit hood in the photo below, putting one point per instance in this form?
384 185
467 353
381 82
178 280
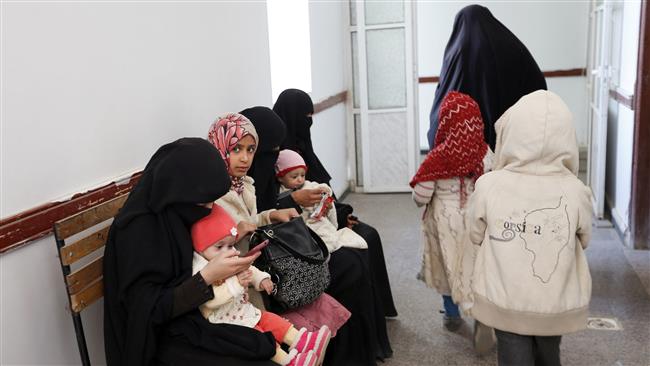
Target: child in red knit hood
443 183
218 232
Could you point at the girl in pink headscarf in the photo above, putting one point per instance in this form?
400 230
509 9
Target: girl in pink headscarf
236 139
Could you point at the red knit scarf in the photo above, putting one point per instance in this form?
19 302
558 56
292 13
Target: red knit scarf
459 144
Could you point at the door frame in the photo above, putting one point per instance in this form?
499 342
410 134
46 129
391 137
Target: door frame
640 194
598 84
361 165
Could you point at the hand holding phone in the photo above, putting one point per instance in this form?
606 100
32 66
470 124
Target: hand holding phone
257 248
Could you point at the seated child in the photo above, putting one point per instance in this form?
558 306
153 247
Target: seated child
290 169
230 304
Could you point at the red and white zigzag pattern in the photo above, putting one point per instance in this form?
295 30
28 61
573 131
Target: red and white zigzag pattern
459 144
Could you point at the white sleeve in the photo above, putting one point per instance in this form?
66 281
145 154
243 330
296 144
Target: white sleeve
423 191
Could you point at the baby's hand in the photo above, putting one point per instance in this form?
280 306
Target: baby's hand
267 285
245 278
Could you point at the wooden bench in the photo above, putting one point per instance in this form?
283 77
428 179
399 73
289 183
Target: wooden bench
84 285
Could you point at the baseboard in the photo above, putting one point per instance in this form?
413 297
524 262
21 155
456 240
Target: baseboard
345 193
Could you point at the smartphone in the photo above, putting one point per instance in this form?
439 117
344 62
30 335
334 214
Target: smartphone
257 248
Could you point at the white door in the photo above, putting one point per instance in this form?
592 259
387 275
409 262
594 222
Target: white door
598 84
383 108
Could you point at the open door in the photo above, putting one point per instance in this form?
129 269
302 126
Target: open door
383 108
598 84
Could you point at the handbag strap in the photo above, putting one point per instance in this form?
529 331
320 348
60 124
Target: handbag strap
269 233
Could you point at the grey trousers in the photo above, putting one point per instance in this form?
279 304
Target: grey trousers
520 350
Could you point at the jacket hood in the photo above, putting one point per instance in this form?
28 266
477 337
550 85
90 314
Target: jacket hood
536 136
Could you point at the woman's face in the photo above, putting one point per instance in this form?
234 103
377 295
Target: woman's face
241 156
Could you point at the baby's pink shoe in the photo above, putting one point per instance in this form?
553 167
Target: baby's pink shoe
304 359
314 341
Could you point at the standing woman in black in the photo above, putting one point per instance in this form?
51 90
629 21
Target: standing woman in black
151 299
486 61
362 339
295 107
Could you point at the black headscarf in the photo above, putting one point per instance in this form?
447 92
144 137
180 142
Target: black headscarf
293 106
485 60
149 253
271 132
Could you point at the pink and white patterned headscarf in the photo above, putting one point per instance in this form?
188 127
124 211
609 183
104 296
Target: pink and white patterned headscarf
224 134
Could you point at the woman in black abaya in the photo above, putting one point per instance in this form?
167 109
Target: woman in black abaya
362 339
151 299
295 107
485 60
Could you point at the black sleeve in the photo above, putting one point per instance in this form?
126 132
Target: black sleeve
191 294
286 201
343 210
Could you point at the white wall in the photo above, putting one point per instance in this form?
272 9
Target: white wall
327 27
89 91
620 131
554 32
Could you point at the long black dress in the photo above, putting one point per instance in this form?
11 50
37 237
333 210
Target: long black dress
151 298
485 60
363 338
294 107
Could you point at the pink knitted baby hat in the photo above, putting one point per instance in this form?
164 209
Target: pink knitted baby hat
288 160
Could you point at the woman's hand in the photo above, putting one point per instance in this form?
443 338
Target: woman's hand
225 264
352 221
283 215
308 197
244 228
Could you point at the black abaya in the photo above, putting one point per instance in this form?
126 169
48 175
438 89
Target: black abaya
148 262
485 60
271 131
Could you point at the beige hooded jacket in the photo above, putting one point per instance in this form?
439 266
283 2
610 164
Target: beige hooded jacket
532 217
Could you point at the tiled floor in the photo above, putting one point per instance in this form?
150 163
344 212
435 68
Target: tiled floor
621 289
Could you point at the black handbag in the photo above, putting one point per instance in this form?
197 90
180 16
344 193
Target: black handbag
296 258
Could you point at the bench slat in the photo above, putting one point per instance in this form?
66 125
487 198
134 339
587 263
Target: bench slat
84 276
88 218
87 296
82 247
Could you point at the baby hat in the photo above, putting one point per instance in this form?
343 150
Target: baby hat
288 160
213 228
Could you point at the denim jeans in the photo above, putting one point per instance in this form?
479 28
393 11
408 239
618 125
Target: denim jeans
520 350
451 309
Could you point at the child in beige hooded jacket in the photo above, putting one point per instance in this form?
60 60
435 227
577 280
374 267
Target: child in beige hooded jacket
532 218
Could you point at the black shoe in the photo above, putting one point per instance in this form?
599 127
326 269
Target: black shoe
452 323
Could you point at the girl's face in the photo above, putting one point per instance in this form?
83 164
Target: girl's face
241 156
224 244
294 179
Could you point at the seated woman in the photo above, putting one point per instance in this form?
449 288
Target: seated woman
295 107
363 338
151 299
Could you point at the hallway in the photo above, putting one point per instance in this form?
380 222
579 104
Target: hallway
621 290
